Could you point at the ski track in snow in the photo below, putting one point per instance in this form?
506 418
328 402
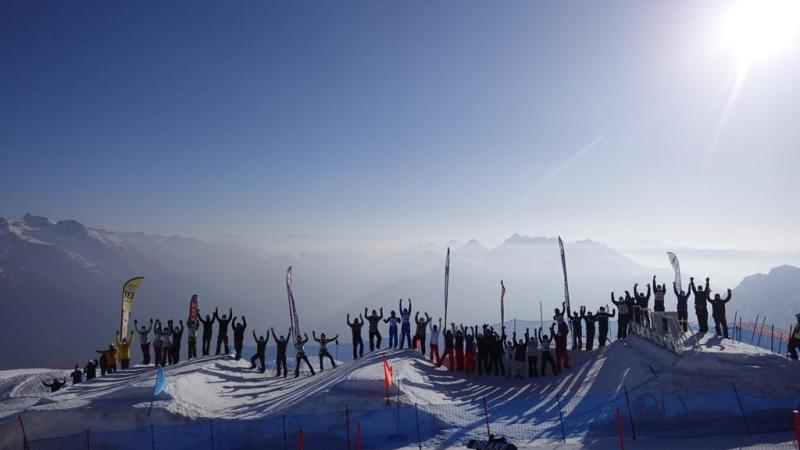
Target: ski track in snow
222 388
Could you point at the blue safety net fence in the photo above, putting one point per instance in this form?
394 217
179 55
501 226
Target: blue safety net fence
401 424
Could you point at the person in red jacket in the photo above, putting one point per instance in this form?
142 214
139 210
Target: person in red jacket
562 355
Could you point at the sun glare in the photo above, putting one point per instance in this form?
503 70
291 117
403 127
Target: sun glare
756 29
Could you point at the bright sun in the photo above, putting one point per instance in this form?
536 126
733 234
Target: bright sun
755 29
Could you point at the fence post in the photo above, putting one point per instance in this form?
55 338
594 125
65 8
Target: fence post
486 415
796 417
741 408
619 430
285 439
25 445
561 419
630 412
358 435
772 338
780 344
211 428
755 325
88 446
763 324
347 424
419 436
152 437
300 441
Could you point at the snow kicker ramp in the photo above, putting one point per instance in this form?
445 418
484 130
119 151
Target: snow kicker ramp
219 400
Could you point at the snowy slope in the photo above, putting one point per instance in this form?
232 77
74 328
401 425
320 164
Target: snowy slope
219 387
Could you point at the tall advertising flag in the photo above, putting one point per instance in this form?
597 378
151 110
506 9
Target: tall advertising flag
292 308
566 284
502 307
129 290
676 266
446 283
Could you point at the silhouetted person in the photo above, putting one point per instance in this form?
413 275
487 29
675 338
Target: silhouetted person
577 329
718 313
683 306
90 369
602 320
562 355
76 375
659 291
261 351
355 330
531 352
794 339
280 354
222 331
642 301
590 320
192 326
420 332
405 324
434 344
374 333
547 357
700 307
238 337
624 316
392 320
208 331
177 338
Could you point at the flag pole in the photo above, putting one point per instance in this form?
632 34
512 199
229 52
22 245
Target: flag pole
541 316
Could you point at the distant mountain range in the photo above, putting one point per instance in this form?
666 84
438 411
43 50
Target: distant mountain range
775 295
60 283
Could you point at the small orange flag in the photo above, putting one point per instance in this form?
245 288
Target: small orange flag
387 373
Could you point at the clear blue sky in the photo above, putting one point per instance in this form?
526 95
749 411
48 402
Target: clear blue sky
415 119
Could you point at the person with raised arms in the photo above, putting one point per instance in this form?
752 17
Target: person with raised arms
358 341
300 354
261 351
374 333
280 354
144 340
323 348
222 332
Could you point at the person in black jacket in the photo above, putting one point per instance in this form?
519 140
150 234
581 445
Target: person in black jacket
547 357
560 337
222 332
683 306
659 291
602 320
238 337
642 301
577 330
718 312
90 369
358 342
55 385
449 345
700 300
208 331
374 333
421 332
624 317
590 320
280 354
177 337
261 350
520 347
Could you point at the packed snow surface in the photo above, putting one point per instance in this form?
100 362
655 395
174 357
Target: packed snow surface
222 388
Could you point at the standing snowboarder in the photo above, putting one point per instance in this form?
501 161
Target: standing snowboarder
358 341
158 343
144 340
590 320
392 320
124 349
794 339
177 337
718 313
222 332
280 354
547 357
208 331
622 322
323 348
238 337
434 344
420 332
683 307
602 320
700 300
532 348
193 326
300 355
642 315
659 291
374 333
577 329
261 350
405 326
